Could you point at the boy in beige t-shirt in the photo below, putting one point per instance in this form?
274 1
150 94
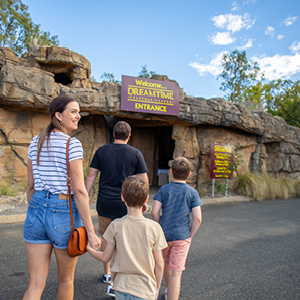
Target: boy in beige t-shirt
136 243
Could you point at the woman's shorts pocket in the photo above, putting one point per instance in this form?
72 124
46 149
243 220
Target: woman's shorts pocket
31 215
61 221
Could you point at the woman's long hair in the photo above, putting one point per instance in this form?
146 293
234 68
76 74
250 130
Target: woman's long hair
58 104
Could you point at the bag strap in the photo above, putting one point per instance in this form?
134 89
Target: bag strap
69 184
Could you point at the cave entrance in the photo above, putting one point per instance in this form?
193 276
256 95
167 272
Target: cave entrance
62 78
157 146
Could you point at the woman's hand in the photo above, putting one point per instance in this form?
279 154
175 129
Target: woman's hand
94 241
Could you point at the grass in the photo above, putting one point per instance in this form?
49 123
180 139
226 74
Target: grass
259 186
7 190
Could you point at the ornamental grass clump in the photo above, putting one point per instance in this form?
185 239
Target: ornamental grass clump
297 188
260 186
251 185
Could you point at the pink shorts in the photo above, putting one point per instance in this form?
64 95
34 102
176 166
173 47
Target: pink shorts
176 254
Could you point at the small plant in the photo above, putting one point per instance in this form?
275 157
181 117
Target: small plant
7 190
220 186
236 162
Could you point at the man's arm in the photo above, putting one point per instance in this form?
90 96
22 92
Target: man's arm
197 219
104 256
158 269
155 210
144 175
89 182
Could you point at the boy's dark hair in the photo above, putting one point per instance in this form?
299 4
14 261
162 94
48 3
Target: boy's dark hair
181 168
135 190
122 130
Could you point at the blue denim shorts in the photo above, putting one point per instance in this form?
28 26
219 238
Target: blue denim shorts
48 220
124 296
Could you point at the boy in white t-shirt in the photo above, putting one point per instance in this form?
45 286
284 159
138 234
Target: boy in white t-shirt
137 244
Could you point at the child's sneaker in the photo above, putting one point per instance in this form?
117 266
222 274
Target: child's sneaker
166 291
106 278
110 291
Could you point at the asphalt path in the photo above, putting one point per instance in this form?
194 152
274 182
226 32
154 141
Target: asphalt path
245 250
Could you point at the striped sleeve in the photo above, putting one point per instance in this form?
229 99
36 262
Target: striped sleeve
75 149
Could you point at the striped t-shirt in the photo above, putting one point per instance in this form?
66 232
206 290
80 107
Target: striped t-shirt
51 174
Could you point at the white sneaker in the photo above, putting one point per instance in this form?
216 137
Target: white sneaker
106 278
110 291
166 291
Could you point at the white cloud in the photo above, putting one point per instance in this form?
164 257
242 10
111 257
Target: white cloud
280 36
279 66
232 22
249 44
214 67
235 6
289 21
295 47
270 30
249 1
222 38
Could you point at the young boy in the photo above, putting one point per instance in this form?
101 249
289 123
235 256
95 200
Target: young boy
136 243
177 200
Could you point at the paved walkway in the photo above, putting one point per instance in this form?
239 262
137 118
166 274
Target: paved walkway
16 213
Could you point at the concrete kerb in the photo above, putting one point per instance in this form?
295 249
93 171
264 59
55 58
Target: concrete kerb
20 218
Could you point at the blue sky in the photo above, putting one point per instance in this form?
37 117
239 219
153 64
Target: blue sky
181 39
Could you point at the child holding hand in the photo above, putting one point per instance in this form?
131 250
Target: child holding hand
137 244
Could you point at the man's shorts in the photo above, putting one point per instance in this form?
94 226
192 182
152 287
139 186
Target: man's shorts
48 220
103 223
176 254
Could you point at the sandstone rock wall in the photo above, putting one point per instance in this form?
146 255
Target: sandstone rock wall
28 84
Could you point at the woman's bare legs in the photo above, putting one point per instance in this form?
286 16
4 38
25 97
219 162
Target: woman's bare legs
39 256
65 273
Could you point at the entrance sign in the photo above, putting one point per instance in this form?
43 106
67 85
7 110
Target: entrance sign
221 158
149 96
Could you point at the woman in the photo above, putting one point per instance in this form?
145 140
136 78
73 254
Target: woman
47 225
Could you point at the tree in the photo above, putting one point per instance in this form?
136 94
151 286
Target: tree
144 73
109 77
283 100
239 78
17 30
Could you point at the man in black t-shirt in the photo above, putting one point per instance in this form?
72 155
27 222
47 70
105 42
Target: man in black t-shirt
115 161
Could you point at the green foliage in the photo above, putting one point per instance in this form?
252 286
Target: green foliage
236 162
93 78
283 100
238 74
220 186
245 84
7 190
109 77
17 30
261 186
144 73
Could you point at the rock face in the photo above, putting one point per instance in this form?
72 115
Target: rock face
29 83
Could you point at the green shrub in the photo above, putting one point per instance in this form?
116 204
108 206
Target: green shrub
7 190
